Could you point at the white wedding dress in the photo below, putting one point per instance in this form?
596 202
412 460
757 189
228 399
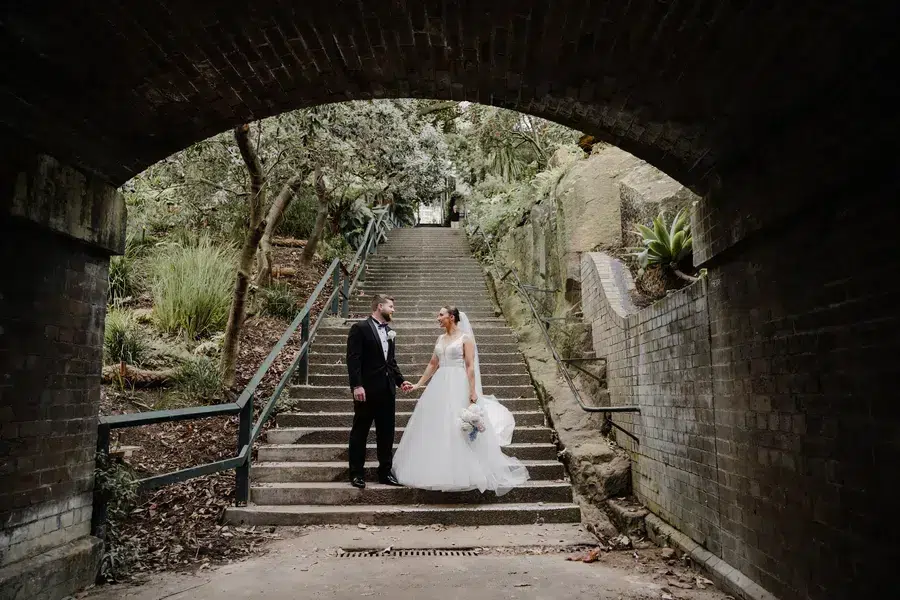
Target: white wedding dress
435 453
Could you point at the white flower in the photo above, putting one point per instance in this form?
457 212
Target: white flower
391 334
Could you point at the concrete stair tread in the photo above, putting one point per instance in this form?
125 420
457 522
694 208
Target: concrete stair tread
434 508
340 485
296 414
341 446
302 430
368 464
500 513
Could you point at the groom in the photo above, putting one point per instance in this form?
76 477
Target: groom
374 377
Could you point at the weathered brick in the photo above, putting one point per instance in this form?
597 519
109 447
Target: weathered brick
793 402
53 399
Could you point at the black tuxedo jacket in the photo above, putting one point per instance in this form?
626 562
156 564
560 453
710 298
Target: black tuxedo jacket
366 364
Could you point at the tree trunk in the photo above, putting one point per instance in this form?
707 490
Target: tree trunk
276 212
256 227
139 378
321 218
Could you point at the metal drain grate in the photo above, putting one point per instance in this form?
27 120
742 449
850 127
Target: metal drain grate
411 552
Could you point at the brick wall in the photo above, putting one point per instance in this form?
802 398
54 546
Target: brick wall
52 306
659 358
769 406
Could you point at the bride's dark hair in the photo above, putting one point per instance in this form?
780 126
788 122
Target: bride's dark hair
454 312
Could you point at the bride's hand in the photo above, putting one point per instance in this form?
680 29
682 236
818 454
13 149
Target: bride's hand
473 397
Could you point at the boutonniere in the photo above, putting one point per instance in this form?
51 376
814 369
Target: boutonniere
391 335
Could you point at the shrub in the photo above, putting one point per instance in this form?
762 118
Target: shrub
123 339
300 217
192 288
279 301
334 247
115 484
665 245
125 272
199 380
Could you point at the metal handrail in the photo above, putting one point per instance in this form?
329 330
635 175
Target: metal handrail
560 363
338 302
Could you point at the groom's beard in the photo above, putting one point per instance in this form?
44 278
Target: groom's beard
386 317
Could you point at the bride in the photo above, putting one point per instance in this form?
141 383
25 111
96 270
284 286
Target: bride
435 453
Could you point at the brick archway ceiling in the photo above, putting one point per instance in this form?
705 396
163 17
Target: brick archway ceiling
694 87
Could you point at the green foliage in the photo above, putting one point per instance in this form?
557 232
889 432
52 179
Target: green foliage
300 217
335 247
278 300
665 244
115 484
125 272
192 288
199 381
498 205
123 339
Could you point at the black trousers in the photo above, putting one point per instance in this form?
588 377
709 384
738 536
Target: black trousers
381 411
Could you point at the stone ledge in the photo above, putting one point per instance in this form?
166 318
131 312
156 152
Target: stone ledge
721 573
53 574
44 191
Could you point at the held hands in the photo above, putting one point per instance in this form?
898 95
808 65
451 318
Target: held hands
408 387
359 394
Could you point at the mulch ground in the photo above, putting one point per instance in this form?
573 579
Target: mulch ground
178 527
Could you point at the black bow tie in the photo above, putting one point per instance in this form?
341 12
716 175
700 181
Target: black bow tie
383 325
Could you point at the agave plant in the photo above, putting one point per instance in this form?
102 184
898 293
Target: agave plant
666 245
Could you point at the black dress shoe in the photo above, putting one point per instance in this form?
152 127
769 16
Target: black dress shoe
358 482
390 480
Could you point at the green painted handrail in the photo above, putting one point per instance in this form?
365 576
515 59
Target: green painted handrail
248 432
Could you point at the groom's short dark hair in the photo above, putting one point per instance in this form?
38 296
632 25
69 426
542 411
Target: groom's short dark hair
380 299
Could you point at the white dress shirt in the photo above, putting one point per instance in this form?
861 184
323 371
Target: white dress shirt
382 333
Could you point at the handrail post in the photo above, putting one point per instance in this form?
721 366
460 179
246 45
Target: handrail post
336 282
345 302
303 368
99 510
242 473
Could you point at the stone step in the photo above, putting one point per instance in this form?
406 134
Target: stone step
453 514
424 328
403 299
449 280
397 254
339 493
488 379
339 452
326 405
341 435
470 295
419 367
505 392
434 305
430 337
345 419
405 261
291 472
318 359
403 349
363 311
407 271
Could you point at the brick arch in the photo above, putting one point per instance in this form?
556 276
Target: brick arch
694 88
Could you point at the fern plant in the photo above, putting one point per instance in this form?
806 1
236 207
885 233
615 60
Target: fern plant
666 244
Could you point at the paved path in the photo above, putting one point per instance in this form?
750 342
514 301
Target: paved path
515 563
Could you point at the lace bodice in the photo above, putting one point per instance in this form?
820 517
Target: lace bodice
450 353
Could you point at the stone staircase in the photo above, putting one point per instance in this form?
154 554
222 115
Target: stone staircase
301 474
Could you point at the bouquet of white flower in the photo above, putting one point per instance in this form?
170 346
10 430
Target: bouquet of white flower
471 421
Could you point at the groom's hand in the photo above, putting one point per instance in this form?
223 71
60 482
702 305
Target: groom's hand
359 394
